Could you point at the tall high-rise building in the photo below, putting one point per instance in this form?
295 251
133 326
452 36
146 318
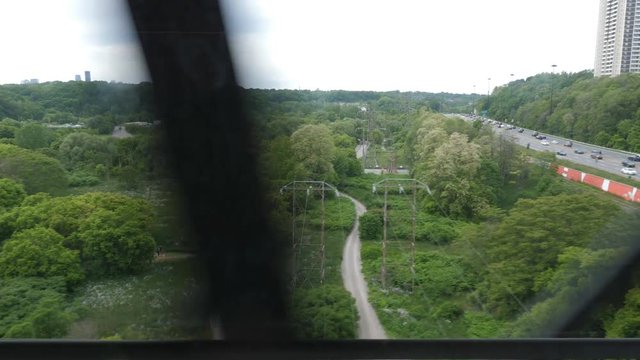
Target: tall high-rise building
618 42
78 78
87 76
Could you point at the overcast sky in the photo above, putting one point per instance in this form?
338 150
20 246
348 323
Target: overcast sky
423 45
56 39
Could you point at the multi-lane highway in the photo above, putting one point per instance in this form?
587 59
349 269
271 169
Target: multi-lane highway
611 159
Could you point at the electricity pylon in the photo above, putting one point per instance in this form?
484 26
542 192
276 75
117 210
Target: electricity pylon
400 185
308 187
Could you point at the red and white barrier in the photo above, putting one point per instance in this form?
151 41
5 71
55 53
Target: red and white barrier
624 191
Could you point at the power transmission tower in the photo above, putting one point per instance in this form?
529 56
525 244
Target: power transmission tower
400 185
297 243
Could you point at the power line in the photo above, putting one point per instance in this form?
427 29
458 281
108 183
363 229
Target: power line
414 185
398 183
308 186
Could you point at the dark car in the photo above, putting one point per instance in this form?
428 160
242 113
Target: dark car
578 151
628 164
521 130
596 156
541 137
634 158
561 153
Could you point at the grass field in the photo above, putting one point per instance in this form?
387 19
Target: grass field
159 304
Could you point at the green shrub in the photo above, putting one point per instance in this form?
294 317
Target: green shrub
481 325
83 179
50 321
448 310
371 226
23 300
326 312
440 232
23 330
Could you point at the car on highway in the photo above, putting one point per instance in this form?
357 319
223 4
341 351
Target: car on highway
578 151
596 152
635 157
554 141
541 137
628 171
596 156
544 142
535 134
568 143
521 130
561 153
628 164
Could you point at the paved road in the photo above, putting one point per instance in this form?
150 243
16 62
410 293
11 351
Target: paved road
360 150
611 162
369 326
120 132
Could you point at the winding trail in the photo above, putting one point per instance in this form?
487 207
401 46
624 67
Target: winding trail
369 326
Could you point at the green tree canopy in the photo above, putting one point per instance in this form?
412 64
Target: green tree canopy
33 136
38 173
82 150
525 248
314 150
39 252
11 193
113 244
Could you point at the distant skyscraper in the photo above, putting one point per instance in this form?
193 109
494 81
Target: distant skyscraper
618 42
87 76
78 78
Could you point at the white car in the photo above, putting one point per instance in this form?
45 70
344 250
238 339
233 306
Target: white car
554 141
628 171
544 142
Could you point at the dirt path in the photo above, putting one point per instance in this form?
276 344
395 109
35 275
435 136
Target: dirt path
120 132
369 326
172 256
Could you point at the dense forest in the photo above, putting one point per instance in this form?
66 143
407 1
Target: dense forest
83 213
501 247
602 111
505 248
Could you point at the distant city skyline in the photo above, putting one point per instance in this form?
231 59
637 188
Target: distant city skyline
380 45
65 37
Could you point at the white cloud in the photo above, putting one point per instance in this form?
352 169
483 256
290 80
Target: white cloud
408 45
429 45
54 40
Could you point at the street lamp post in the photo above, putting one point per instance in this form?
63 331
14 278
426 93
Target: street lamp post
488 86
511 93
551 83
